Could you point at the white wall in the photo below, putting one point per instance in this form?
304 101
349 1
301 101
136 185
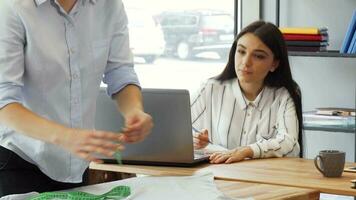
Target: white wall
324 81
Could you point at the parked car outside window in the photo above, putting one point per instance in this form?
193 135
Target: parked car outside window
190 32
146 36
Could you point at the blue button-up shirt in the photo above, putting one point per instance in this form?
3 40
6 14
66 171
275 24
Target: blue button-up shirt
53 62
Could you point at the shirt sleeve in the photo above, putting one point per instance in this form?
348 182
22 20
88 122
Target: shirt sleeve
285 141
199 107
119 71
12 42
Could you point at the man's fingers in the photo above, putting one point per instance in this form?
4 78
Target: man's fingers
103 143
105 135
86 156
98 150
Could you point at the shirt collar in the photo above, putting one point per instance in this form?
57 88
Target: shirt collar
242 100
39 2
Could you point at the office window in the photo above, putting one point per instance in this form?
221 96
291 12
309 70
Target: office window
179 44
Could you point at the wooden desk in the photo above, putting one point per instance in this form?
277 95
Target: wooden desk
237 189
233 189
294 172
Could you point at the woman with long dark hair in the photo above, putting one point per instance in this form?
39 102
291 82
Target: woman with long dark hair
253 108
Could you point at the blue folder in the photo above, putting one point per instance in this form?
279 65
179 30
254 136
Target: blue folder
352 43
349 34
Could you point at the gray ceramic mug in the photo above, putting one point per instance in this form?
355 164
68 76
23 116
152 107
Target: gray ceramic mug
332 162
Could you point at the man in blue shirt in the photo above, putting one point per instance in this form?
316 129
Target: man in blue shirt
53 56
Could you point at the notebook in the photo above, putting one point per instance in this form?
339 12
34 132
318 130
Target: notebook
170 142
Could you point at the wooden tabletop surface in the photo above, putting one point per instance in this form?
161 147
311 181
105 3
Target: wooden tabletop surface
232 189
257 191
294 172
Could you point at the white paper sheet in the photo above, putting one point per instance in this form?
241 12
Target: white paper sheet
195 187
170 187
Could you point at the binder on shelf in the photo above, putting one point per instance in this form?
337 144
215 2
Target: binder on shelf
305 37
303 30
349 34
354 49
306 43
352 43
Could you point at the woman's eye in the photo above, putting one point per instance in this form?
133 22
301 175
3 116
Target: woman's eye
240 51
260 56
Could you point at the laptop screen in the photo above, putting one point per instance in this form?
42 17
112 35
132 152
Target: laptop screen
171 137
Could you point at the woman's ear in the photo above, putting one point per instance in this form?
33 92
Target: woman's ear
275 65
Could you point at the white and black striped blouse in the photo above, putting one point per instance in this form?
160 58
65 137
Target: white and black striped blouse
269 124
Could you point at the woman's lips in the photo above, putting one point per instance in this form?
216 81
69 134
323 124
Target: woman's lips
245 72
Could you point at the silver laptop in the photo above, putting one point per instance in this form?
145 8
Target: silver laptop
170 142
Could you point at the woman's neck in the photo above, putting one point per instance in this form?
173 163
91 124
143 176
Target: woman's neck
67 5
251 90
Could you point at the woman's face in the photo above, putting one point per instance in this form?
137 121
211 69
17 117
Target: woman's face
253 59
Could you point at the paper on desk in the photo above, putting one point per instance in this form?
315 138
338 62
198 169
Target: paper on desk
210 149
19 196
197 187
170 187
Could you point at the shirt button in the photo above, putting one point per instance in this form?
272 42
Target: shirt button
75 101
244 132
75 76
72 51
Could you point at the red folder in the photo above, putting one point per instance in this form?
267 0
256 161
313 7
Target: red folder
304 37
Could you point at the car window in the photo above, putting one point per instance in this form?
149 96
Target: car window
218 21
189 20
171 47
179 20
170 21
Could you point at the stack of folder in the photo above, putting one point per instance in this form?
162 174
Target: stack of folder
349 43
310 39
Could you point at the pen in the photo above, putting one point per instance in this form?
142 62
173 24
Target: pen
196 130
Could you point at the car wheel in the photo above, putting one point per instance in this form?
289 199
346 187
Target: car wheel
150 59
183 51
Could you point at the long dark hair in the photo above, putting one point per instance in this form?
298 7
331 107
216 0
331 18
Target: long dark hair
272 37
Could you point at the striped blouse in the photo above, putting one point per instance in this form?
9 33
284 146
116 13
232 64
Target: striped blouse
269 124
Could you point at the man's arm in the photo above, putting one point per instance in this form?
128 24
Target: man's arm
129 99
138 124
19 118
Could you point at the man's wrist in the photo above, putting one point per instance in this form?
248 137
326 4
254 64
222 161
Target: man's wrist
60 135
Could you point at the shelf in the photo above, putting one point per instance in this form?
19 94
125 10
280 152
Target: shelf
345 130
321 54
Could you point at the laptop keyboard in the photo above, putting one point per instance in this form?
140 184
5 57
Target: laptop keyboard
199 154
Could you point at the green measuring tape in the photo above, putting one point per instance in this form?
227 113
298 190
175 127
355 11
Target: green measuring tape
117 193
117 156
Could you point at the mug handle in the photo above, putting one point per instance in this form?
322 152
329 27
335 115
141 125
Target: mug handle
318 157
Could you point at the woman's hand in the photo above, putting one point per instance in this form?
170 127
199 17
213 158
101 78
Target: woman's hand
138 125
201 139
231 156
86 143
